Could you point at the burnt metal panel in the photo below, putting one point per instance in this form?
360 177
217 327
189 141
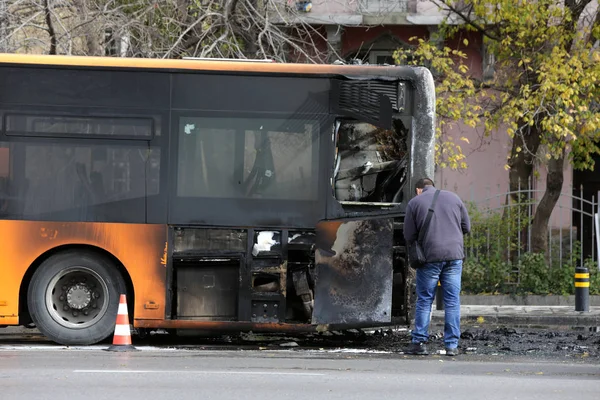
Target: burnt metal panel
353 272
207 290
211 240
364 101
226 326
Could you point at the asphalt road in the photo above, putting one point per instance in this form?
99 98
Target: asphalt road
192 374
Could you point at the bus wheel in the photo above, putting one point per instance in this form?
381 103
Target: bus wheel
73 297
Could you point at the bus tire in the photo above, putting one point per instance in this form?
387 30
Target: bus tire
73 297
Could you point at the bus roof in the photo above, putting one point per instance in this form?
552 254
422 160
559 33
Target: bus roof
200 65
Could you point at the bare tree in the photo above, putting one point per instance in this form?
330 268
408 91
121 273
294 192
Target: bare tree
161 28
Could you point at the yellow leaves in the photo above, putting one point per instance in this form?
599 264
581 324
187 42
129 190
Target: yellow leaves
448 153
506 167
554 102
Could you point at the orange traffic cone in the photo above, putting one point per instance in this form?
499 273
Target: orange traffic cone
122 336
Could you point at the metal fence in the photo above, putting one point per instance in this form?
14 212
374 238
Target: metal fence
502 226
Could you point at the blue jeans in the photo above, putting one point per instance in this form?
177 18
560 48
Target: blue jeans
449 274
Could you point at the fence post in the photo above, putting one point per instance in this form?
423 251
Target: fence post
597 230
439 297
582 289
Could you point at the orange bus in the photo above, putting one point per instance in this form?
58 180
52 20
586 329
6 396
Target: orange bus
217 195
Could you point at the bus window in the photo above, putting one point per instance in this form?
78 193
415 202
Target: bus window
4 161
85 182
4 177
248 158
60 126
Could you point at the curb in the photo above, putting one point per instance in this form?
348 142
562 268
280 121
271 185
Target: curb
568 318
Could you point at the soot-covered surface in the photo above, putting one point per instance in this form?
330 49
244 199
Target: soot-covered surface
478 342
482 342
498 341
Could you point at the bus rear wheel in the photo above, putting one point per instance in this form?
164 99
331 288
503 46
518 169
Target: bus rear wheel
73 297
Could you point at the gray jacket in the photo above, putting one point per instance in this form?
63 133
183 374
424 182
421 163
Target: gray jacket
450 221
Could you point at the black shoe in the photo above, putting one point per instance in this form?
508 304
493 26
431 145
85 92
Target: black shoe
451 352
418 349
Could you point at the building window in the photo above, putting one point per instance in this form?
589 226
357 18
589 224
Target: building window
381 58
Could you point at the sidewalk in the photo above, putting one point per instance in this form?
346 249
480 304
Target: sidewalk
525 315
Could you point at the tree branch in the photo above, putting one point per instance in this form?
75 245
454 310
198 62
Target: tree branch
466 18
51 30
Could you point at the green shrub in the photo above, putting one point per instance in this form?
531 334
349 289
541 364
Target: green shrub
530 274
485 275
592 266
497 263
534 274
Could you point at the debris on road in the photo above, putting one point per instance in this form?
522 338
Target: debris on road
484 340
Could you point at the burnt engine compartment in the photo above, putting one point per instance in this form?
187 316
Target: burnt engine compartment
261 276
271 276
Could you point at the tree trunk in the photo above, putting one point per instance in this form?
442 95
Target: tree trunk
51 31
90 30
554 184
522 154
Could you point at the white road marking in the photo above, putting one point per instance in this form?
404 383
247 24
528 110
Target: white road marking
351 351
51 347
129 371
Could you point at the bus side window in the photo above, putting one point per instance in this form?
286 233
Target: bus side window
4 179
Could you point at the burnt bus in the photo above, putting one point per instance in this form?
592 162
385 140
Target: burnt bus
217 195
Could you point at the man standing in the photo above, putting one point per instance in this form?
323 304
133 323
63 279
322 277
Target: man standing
443 246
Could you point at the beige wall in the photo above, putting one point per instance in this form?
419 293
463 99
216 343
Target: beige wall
485 181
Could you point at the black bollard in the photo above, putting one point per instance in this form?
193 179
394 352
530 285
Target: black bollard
439 297
582 289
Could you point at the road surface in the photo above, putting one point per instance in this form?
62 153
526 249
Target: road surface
161 373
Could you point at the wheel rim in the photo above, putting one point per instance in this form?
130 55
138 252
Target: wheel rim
77 297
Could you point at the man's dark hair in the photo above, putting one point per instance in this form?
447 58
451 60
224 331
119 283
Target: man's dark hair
421 183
